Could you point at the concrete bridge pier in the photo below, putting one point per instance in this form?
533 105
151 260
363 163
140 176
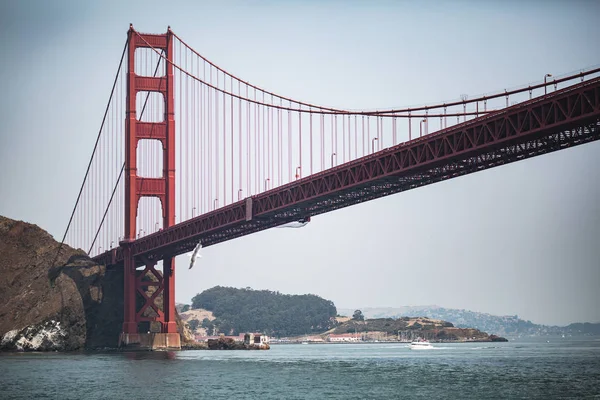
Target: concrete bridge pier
150 341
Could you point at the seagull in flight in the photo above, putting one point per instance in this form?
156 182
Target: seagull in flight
195 254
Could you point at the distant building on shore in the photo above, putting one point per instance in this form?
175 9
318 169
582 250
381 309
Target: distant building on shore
247 338
344 337
255 338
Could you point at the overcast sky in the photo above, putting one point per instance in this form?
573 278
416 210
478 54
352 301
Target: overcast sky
518 239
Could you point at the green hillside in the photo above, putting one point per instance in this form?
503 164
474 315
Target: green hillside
248 310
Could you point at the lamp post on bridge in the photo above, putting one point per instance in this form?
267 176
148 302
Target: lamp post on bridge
239 194
298 169
267 183
421 127
464 98
545 88
193 212
333 155
215 203
373 145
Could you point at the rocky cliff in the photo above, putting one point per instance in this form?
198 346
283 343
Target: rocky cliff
66 305
55 301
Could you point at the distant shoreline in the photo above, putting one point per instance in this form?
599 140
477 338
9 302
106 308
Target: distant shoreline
383 342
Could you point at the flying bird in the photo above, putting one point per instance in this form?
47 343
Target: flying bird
195 254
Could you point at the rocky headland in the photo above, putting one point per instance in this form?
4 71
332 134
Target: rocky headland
56 300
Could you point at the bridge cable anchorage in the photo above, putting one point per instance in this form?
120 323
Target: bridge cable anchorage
121 173
93 153
334 111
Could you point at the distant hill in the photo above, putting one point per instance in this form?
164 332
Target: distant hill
508 325
411 328
247 310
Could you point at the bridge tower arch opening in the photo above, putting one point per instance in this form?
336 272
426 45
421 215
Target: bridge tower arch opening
143 283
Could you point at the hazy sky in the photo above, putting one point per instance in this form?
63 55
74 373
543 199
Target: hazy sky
518 239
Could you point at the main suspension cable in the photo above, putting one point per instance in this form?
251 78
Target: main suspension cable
122 169
93 152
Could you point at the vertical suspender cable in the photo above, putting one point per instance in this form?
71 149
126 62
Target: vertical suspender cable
322 134
311 141
343 139
355 138
240 143
248 189
272 135
232 169
217 143
289 143
299 174
224 145
363 135
254 147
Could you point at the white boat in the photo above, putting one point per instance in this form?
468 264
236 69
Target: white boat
420 344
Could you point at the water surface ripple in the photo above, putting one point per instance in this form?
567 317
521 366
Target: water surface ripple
520 369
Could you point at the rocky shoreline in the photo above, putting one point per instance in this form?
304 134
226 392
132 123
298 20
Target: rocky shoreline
56 300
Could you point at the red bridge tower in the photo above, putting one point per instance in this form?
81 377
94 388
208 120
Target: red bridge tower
137 187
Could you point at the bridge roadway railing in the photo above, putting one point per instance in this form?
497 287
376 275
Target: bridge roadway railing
547 123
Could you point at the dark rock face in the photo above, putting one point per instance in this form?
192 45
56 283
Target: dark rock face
53 300
71 305
495 338
100 291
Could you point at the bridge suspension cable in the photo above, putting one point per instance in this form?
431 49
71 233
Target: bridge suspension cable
235 140
395 112
122 167
110 98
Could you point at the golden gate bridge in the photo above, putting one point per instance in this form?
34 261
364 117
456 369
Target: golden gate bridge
189 153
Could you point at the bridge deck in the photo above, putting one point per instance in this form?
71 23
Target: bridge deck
548 123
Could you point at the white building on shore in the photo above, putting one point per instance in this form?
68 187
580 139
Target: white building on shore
344 337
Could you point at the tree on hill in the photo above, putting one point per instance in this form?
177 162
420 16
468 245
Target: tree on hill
246 310
358 316
209 326
193 324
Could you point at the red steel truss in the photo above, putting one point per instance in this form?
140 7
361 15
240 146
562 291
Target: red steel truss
137 187
548 123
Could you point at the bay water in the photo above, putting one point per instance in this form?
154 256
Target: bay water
532 368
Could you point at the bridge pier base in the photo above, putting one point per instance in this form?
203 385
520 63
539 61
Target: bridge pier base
150 341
